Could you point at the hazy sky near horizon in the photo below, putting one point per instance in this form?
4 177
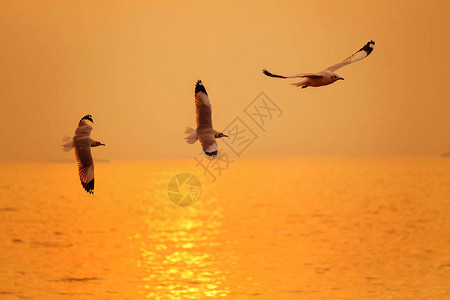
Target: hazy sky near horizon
133 66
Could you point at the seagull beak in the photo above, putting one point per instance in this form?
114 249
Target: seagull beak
102 144
341 78
225 135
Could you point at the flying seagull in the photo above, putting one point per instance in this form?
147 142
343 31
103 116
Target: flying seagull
205 132
82 142
327 76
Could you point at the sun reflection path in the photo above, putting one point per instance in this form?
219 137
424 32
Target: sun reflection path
184 258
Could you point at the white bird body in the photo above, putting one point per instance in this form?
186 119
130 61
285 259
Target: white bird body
319 79
205 132
82 142
327 76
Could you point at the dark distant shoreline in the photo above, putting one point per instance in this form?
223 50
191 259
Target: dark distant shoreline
67 161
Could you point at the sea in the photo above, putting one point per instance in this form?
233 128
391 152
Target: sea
265 228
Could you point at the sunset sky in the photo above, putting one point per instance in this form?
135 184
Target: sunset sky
133 65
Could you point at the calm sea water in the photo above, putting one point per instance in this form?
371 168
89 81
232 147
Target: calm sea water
306 228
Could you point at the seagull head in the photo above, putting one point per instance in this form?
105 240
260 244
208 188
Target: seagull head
336 77
96 144
219 135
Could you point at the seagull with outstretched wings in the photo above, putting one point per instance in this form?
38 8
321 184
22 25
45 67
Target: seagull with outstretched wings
205 132
82 142
327 76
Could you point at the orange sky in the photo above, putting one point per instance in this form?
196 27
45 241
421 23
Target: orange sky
133 66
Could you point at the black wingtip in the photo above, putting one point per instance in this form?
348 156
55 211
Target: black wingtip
266 72
213 153
88 186
271 75
199 87
87 117
368 48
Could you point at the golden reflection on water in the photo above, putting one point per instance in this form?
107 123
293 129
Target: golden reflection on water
175 263
270 229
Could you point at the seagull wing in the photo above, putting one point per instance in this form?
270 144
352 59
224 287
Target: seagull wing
205 129
358 55
202 108
314 75
209 144
84 127
82 144
85 167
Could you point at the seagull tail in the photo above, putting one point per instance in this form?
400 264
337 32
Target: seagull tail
68 144
191 135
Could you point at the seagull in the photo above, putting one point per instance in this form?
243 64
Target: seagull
205 131
327 76
82 142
